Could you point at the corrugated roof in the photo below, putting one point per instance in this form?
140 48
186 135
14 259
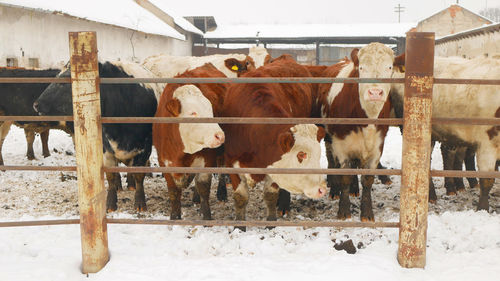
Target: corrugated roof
123 13
311 30
461 7
470 32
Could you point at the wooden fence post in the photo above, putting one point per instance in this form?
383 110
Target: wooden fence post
416 148
88 148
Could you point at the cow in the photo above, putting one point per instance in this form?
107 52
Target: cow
126 143
272 146
464 101
190 144
16 99
232 65
358 146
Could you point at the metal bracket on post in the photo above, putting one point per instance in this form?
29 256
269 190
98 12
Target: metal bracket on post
416 149
88 148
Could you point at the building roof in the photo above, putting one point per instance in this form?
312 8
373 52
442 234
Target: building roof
468 33
179 20
454 8
326 33
122 13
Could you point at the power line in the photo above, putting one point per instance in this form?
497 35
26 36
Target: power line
398 9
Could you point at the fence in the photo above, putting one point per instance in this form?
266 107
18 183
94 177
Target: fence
90 169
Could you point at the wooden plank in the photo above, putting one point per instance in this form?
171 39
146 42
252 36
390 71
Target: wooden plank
416 149
88 148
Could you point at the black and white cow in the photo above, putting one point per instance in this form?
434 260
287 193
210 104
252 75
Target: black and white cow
126 143
16 99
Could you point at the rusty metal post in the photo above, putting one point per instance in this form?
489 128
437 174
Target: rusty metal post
88 148
416 149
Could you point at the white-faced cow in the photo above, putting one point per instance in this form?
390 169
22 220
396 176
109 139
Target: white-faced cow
190 144
16 99
126 143
464 101
272 146
356 146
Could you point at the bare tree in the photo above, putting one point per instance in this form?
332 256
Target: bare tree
491 13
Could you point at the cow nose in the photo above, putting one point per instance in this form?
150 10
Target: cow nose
219 136
375 92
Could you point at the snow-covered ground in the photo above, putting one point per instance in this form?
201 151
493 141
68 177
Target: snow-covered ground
462 244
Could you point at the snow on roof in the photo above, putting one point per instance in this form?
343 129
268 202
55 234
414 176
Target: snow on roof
472 31
179 20
311 30
124 13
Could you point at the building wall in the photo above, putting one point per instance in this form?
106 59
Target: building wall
450 21
484 44
26 33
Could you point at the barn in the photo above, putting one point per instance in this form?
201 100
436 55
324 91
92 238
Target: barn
129 30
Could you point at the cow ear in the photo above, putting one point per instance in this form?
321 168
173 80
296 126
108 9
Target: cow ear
399 63
268 59
286 141
354 56
174 107
321 133
234 65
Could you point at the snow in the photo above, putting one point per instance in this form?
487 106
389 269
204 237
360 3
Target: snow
462 244
179 20
310 30
124 13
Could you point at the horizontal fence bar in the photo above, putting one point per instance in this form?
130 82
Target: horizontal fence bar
256 120
210 223
256 171
247 80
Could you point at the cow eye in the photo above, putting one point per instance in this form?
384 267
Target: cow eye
360 68
301 156
390 67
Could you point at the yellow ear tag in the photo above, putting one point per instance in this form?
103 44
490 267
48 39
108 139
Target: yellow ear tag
235 68
403 68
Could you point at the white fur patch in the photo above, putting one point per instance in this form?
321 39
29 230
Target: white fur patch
139 71
196 136
337 87
306 141
258 54
123 155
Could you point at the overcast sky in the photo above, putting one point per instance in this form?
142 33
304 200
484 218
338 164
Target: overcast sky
319 11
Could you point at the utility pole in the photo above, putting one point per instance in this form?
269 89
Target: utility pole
398 9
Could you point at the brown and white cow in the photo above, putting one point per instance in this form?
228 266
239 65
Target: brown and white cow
232 65
190 144
358 145
272 146
465 101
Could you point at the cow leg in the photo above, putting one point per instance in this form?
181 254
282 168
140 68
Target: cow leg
470 165
448 154
30 138
140 196
4 130
131 181
202 185
114 183
458 165
344 211
196 196
240 196
486 161
383 178
271 191
222 187
283 202
354 186
366 198
44 137
332 181
174 195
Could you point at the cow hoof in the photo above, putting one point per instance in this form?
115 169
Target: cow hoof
451 193
31 157
342 216
432 201
110 210
131 188
367 219
335 197
175 216
461 189
141 208
354 194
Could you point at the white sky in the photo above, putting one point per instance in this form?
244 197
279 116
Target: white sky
319 11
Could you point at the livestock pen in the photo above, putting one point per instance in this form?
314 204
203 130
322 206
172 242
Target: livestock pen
414 173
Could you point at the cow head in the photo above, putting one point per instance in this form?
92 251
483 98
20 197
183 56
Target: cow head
259 55
188 101
240 67
56 98
375 60
301 149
